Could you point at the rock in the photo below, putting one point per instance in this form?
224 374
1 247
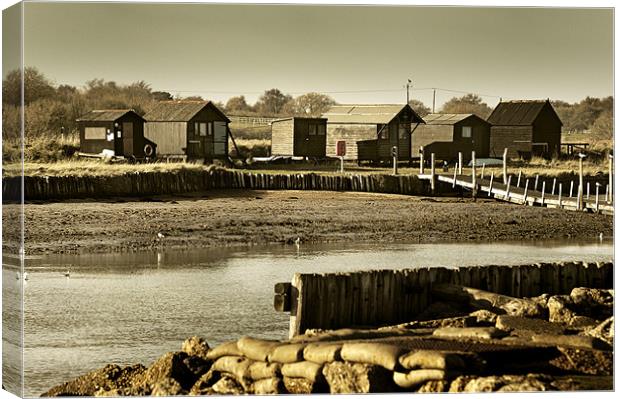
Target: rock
485 317
107 379
301 386
603 331
167 387
429 359
380 354
178 366
485 333
541 299
593 302
530 382
583 361
528 326
195 346
228 386
461 321
571 341
346 377
524 308
268 386
415 378
205 383
559 309
582 322
434 387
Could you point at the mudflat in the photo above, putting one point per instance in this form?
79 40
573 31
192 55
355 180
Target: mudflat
245 217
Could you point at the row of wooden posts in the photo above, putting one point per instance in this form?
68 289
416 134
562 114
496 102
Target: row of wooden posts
507 180
384 297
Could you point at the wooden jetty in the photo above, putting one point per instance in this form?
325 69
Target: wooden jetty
383 297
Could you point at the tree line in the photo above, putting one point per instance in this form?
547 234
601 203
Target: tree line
51 109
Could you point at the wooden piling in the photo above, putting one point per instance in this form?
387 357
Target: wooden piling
527 183
454 178
491 185
519 179
570 192
421 160
553 187
588 190
474 188
505 165
542 196
536 183
433 172
508 187
560 197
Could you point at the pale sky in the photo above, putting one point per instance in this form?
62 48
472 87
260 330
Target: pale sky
218 51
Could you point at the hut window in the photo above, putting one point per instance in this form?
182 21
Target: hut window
312 129
320 130
466 132
210 128
201 129
384 131
95 133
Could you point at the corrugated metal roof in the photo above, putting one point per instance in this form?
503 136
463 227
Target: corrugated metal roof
445 119
104 115
367 113
516 113
299 117
178 111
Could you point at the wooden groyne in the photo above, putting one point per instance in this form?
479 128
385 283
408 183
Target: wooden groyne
165 183
384 297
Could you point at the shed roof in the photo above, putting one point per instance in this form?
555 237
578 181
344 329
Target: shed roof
103 115
290 118
179 110
446 119
367 113
518 112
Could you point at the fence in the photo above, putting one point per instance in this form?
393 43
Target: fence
383 297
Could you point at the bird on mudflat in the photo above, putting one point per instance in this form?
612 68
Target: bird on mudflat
160 236
67 274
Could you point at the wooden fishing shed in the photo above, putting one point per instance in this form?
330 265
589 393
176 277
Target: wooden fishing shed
117 130
299 136
527 128
188 130
446 135
371 130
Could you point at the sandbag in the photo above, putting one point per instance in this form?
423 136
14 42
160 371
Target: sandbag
322 352
418 377
288 353
234 365
428 359
264 370
384 355
225 349
268 386
256 349
307 370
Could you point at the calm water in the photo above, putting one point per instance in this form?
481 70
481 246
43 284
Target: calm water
132 308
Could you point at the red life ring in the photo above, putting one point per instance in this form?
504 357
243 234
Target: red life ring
149 150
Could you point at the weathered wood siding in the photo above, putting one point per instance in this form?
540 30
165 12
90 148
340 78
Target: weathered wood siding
282 137
93 146
203 146
351 133
515 138
170 137
446 141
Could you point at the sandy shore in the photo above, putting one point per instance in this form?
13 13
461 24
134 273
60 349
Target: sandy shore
237 217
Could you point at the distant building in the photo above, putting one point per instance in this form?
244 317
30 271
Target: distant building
117 130
446 135
299 136
188 129
526 128
371 130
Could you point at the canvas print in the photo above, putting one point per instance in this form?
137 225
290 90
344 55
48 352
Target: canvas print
230 199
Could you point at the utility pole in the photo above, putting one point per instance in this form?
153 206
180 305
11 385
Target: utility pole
408 85
434 92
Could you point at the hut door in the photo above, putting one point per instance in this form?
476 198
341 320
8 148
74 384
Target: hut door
220 138
118 141
127 138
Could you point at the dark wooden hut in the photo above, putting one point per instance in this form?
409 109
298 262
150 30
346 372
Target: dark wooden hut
371 130
299 136
526 128
117 130
188 130
448 134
